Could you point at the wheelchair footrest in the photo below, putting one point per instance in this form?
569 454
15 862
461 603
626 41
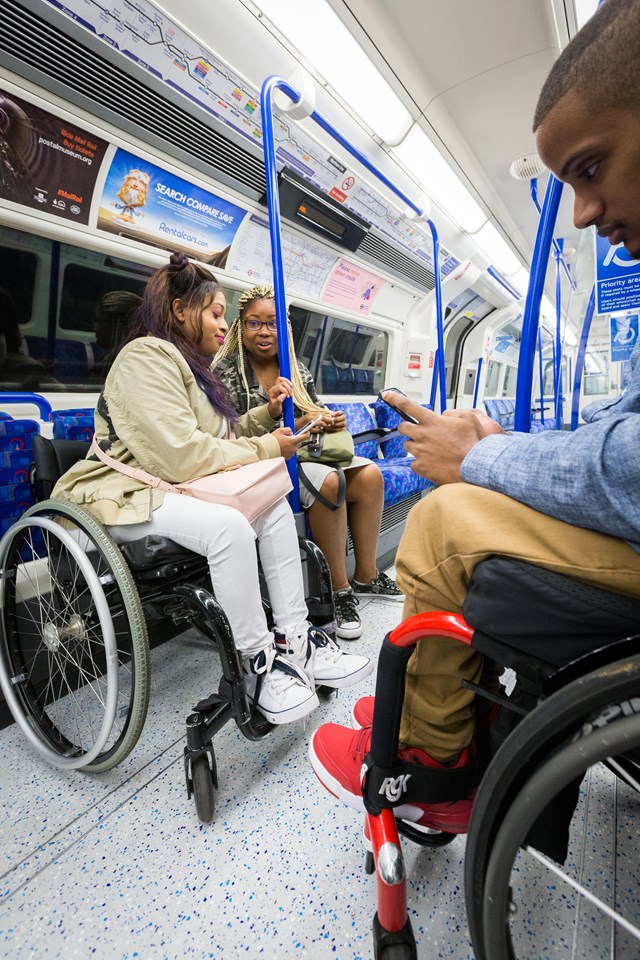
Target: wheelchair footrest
389 787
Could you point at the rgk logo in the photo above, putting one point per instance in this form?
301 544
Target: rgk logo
393 787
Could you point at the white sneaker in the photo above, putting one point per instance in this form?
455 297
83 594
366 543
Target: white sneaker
323 661
278 688
349 625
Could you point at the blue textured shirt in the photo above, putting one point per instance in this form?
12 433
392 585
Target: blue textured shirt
590 478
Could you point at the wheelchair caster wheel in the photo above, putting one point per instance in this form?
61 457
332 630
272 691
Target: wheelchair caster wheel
369 863
204 791
393 946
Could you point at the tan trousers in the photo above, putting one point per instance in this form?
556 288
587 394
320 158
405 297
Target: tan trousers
447 534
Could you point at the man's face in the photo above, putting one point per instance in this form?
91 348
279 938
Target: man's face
597 152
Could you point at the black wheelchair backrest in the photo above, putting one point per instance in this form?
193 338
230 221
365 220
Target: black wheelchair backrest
52 458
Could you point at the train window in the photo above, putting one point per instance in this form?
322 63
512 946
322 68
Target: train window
594 383
18 273
494 371
509 385
85 284
344 357
46 350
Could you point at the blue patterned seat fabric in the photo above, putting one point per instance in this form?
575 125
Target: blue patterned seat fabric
503 411
400 481
16 454
73 424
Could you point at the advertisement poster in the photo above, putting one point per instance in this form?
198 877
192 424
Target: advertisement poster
617 278
352 288
46 163
143 201
624 336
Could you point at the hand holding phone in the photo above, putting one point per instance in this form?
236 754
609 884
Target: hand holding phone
309 426
401 413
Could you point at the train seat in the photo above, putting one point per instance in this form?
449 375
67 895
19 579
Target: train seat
16 455
72 361
337 378
73 424
503 411
575 650
388 419
400 481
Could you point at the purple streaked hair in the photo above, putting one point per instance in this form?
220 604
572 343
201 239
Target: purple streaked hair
195 287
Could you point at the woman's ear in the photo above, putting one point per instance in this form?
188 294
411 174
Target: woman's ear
178 312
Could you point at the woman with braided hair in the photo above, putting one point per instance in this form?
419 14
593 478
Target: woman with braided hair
248 364
164 409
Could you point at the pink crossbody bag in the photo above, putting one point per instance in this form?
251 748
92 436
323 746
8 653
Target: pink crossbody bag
251 488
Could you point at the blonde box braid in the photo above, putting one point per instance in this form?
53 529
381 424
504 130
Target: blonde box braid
233 346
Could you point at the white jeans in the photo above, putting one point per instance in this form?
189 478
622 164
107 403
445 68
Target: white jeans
226 538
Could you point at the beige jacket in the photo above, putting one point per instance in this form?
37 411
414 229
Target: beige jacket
164 423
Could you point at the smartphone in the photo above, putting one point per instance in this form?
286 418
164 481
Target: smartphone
405 416
309 426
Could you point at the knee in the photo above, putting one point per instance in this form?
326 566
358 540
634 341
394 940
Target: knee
366 484
330 486
236 530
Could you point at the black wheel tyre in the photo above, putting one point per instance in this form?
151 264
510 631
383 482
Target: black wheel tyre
204 792
73 639
540 733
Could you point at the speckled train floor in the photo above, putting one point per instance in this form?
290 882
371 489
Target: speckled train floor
117 866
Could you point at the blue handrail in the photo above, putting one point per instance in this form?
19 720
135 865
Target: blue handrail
43 405
582 349
557 367
475 391
531 318
273 205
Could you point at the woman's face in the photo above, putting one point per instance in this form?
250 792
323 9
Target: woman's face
263 341
214 325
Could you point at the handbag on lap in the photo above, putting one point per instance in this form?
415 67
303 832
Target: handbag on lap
251 488
334 449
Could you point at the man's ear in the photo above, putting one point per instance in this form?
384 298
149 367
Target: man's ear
178 311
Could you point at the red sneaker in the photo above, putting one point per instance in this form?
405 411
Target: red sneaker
337 756
362 712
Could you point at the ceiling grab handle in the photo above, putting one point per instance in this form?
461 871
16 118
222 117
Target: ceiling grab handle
301 103
582 350
531 318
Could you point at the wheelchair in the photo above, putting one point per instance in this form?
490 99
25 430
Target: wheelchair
568 712
74 644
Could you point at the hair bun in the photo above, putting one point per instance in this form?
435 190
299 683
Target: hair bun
179 260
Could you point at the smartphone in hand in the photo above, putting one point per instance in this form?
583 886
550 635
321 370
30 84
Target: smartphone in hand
309 426
405 416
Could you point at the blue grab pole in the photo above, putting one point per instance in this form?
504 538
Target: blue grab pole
541 375
533 189
273 205
582 349
531 318
557 370
475 392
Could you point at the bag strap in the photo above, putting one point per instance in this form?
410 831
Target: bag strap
137 474
342 488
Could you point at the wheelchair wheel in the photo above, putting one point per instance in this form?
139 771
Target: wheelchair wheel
554 726
204 792
74 653
519 879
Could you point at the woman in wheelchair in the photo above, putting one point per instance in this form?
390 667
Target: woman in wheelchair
164 410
